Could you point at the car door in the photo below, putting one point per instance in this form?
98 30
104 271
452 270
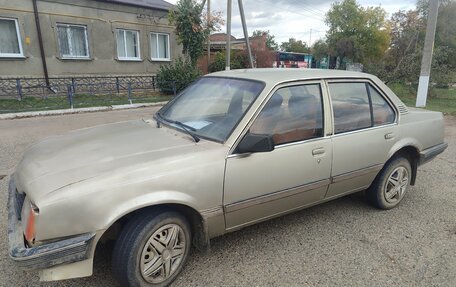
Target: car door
364 132
295 174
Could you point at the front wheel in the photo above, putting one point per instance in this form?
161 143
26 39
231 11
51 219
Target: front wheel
151 249
391 184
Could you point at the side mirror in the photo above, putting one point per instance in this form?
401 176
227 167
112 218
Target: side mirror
255 143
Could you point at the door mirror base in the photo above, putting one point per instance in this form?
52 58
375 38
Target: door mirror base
255 143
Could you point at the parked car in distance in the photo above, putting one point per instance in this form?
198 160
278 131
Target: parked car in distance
233 149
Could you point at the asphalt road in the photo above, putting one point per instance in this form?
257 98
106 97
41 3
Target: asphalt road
341 243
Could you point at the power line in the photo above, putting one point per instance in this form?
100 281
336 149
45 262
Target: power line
310 8
316 17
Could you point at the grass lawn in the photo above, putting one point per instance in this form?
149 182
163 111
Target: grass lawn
439 99
55 102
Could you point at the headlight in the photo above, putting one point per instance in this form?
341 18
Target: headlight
29 213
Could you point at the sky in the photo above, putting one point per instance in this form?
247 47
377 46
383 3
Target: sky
300 19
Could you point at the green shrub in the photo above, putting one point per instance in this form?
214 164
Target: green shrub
180 73
238 60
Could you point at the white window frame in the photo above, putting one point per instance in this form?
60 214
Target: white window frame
67 26
138 46
155 34
19 40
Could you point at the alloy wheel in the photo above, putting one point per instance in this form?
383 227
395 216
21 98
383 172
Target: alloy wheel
163 253
396 185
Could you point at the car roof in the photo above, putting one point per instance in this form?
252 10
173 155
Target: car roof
279 75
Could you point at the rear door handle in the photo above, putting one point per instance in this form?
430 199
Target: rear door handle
389 136
318 151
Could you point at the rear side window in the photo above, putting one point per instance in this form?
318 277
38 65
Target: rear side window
381 110
350 106
358 105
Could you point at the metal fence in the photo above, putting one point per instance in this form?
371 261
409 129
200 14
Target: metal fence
26 94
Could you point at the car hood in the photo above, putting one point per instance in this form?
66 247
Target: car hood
59 161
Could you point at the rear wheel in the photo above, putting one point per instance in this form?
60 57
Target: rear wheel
151 249
391 184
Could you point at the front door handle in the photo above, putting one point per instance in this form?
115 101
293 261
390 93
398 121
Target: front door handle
389 136
318 151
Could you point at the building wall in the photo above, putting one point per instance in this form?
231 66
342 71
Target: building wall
102 19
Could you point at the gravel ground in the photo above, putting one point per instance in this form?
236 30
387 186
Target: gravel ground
341 243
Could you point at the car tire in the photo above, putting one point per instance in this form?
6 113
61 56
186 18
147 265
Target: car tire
151 249
390 185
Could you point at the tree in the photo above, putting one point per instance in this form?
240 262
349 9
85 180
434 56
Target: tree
293 45
192 29
403 59
320 49
446 30
271 44
357 33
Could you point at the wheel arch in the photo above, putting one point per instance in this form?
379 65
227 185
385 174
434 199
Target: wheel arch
412 154
197 223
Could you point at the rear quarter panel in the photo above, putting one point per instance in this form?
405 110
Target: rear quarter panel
419 128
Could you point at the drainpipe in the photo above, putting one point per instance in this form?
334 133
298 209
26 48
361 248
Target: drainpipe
40 41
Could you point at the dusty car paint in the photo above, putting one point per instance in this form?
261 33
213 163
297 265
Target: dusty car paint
86 180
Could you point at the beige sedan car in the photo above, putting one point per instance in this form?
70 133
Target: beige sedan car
233 149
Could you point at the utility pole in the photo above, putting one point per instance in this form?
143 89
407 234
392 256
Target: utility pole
310 38
427 53
246 34
228 36
309 63
208 36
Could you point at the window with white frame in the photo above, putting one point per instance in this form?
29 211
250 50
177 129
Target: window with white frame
159 46
10 43
128 45
73 41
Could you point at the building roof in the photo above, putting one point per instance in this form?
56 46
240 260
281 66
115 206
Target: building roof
219 37
153 4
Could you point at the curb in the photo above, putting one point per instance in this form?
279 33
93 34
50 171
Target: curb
11 116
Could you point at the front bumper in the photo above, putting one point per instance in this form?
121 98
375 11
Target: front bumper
67 250
430 153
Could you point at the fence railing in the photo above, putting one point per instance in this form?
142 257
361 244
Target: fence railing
25 94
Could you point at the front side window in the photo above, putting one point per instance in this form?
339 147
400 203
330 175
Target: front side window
10 44
212 106
292 114
128 45
73 42
351 106
159 46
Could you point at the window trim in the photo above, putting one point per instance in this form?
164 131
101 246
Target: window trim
264 101
350 81
19 40
364 80
368 82
371 108
168 47
68 25
138 46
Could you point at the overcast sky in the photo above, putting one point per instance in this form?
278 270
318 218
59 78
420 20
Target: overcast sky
292 18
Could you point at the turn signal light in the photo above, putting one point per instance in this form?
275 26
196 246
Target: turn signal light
30 226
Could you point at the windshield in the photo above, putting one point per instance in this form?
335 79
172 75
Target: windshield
212 106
